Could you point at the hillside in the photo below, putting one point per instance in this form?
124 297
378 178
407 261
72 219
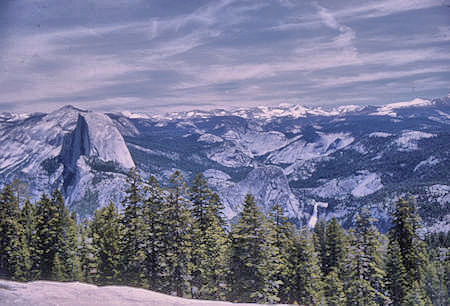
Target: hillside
318 163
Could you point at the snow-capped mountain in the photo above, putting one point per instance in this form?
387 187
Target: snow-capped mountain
317 162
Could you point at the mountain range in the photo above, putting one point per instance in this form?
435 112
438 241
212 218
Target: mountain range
316 162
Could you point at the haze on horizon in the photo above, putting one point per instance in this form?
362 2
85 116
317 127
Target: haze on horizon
161 56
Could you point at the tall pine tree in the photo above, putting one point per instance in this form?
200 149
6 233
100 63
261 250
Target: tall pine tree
133 241
106 231
407 258
177 229
14 254
248 267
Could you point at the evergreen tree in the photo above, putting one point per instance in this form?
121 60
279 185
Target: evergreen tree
334 289
14 254
106 231
67 243
177 230
154 234
405 247
28 222
366 285
336 247
47 231
283 243
320 244
87 254
248 266
208 262
213 259
308 288
133 244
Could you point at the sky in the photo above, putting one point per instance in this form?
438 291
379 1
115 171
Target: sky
159 56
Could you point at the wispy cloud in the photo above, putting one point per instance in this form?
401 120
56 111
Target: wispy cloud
225 52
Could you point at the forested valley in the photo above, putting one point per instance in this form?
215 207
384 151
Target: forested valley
176 240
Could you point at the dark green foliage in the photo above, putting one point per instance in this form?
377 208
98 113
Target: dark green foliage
67 247
209 256
175 240
87 254
28 222
366 273
14 253
320 244
47 231
106 232
154 235
334 289
407 257
307 289
132 243
336 248
57 234
177 229
249 258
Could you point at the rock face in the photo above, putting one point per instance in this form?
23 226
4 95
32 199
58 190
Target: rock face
79 151
317 163
46 293
268 185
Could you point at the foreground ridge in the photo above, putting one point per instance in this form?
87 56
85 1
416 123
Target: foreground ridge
79 294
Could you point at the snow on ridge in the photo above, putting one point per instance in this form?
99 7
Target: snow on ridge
302 150
408 140
429 161
209 138
359 185
389 109
380 134
131 115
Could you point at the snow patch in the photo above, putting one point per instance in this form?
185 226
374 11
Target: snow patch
380 134
408 141
209 138
302 150
360 185
389 109
431 161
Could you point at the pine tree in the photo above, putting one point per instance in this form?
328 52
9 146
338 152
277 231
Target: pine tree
28 222
308 288
14 254
211 242
154 235
336 246
106 232
334 289
47 231
366 286
248 266
87 254
213 263
67 240
132 248
407 248
396 280
283 242
320 244
177 230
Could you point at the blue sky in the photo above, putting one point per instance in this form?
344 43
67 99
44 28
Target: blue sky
167 55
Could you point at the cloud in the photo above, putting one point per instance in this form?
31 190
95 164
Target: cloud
221 53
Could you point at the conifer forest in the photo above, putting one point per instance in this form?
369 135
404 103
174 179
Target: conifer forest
175 239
